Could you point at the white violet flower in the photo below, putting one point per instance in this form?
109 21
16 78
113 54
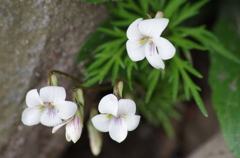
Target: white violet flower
73 128
117 116
49 107
145 41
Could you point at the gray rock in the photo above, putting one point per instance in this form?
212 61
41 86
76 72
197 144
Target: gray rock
38 36
214 148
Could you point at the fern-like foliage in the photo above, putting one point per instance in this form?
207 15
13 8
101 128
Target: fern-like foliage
156 90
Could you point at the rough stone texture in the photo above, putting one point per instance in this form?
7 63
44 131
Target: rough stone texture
214 148
38 36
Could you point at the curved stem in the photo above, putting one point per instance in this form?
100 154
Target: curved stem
95 88
65 74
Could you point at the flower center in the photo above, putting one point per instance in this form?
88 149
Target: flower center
49 104
41 107
51 111
143 40
109 115
152 47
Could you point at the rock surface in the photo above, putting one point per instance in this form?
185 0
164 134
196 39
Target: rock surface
214 148
38 36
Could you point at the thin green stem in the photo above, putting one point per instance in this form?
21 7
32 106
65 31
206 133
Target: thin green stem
65 74
94 88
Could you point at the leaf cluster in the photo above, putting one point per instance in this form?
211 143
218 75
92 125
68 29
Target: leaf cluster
106 57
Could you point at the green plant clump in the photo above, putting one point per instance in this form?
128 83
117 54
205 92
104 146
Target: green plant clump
155 90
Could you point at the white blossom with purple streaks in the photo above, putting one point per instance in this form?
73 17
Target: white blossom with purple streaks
117 117
49 107
73 128
144 41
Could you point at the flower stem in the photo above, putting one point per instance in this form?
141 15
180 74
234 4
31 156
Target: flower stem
65 74
95 88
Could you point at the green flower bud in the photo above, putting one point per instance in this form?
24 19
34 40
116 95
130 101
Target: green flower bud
53 80
95 137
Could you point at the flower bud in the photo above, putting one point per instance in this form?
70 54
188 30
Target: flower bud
78 94
159 14
95 136
73 127
118 88
52 80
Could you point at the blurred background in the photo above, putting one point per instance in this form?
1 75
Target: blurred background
42 35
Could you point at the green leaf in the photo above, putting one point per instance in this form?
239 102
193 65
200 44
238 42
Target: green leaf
152 80
172 8
130 65
121 12
115 71
96 64
91 43
225 79
91 81
209 40
188 11
144 5
189 85
185 43
133 6
114 33
166 124
175 81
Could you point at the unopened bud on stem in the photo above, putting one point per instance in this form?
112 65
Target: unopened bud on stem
159 14
52 80
118 88
78 94
94 135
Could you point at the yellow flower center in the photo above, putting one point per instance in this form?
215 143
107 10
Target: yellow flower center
143 40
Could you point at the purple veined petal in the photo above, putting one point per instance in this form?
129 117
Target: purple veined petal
152 27
33 99
101 122
165 48
66 109
153 57
118 129
108 105
132 31
58 126
74 129
131 121
126 106
31 116
52 94
50 117
135 50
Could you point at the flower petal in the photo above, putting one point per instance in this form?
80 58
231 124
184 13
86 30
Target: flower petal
33 99
52 94
58 126
132 31
153 57
108 105
74 129
31 116
131 121
126 106
50 117
165 48
101 122
118 129
152 27
66 109
68 138
135 50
